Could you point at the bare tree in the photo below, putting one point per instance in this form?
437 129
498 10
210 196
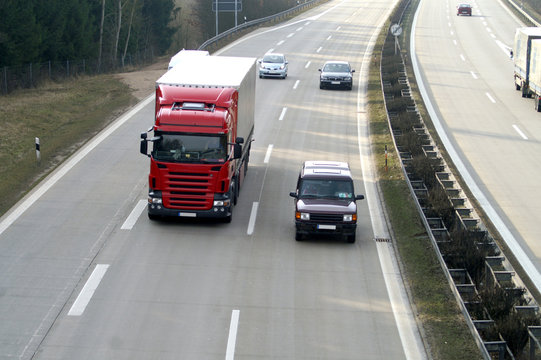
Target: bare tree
129 32
101 34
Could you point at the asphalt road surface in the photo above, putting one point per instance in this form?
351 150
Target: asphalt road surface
86 275
492 132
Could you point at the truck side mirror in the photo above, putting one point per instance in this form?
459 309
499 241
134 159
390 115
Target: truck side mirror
143 145
237 151
239 140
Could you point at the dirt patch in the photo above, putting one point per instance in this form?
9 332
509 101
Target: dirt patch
142 82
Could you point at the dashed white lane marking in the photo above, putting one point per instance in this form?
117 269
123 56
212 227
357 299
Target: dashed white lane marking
283 114
319 49
296 84
134 215
253 216
473 75
490 98
517 129
268 154
91 285
307 64
232 338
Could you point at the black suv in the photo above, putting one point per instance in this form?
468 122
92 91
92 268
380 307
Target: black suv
325 200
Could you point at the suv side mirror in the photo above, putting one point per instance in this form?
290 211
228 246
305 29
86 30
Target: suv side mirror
359 197
293 194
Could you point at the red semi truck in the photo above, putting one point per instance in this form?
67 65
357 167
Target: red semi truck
204 126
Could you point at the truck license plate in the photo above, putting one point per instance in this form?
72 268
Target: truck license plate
183 214
326 227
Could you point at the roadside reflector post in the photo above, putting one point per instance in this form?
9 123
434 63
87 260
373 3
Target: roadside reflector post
38 153
385 158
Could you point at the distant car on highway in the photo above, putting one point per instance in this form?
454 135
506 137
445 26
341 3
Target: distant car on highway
273 65
336 74
325 200
463 9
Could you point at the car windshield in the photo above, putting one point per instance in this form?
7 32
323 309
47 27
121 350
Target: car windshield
277 59
336 68
193 148
326 189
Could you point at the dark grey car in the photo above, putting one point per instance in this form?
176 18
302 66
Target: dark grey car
336 74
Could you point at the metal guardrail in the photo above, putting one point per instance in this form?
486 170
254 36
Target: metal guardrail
260 21
520 10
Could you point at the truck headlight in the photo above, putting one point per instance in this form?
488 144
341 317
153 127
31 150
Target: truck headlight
155 197
226 202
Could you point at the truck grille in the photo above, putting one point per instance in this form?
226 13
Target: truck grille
330 218
188 191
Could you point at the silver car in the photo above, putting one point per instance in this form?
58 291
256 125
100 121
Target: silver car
273 65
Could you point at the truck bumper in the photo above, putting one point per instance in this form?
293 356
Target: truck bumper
218 212
307 228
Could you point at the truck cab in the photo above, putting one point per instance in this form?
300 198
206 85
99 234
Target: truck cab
325 200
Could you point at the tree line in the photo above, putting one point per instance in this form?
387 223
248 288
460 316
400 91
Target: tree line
34 31
37 31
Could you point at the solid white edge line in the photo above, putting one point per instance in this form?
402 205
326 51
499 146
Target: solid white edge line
406 324
504 231
88 290
253 216
517 129
30 199
232 338
268 154
134 215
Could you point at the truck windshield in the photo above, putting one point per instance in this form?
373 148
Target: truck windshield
192 148
326 189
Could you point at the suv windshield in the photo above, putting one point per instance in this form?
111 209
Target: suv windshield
191 148
325 189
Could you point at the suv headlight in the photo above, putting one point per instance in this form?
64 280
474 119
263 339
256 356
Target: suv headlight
350 217
302 216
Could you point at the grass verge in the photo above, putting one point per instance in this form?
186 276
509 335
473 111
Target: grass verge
63 116
446 333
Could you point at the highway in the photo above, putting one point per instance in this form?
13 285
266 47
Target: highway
86 275
491 132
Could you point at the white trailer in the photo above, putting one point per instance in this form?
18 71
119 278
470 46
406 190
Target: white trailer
527 59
